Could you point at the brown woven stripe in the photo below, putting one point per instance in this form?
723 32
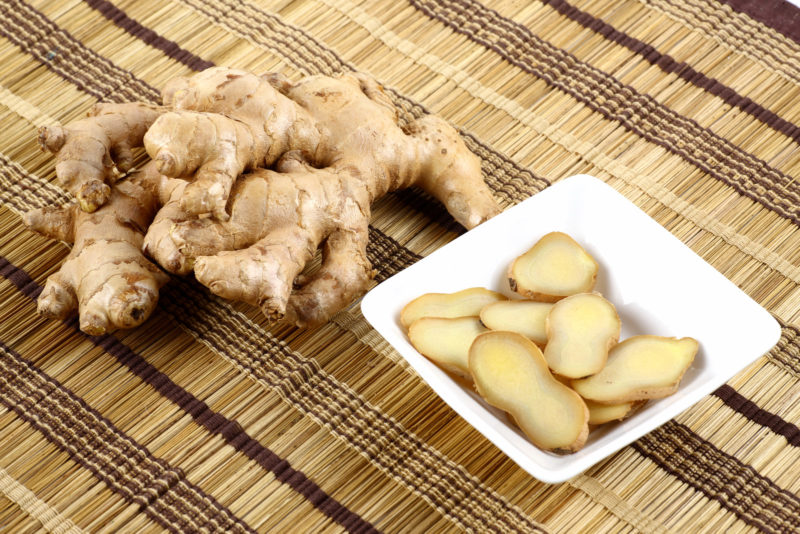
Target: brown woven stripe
682 69
19 189
170 49
779 15
738 402
35 34
92 441
637 113
740 34
787 352
217 424
754 498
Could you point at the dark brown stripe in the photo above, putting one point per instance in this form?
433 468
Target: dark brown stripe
706 18
53 47
216 423
290 374
93 442
779 15
170 48
636 112
754 498
787 352
682 69
738 402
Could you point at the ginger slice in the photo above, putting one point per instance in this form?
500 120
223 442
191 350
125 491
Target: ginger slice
580 331
554 268
525 317
605 413
446 341
639 368
510 372
464 303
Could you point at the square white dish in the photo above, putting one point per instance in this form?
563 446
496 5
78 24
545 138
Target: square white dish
658 285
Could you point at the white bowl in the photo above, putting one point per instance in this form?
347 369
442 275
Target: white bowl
658 285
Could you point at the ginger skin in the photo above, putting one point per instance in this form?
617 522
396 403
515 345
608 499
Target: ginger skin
92 153
332 145
105 274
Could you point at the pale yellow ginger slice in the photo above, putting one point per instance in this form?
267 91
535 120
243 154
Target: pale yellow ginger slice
464 303
580 331
554 268
446 341
510 373
525 317
639 368
605 413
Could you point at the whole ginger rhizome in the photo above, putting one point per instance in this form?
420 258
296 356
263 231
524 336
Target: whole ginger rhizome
249 176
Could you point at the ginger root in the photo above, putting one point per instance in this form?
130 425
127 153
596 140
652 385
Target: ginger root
315 154
105 275
91 154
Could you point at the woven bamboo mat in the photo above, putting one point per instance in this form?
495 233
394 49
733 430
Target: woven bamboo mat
206 419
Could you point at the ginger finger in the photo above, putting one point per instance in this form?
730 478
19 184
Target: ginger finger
215 148
451 173
53 222
261 274
85 150
345 275
105 274
279 123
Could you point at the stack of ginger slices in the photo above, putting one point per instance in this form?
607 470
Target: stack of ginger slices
552 360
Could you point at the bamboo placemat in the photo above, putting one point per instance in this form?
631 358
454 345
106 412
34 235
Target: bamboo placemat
206 419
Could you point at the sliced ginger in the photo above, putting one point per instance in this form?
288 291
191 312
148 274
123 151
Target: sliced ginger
464 303
510 373
605 413
580 331
639 368
554 268
446 341
525 317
